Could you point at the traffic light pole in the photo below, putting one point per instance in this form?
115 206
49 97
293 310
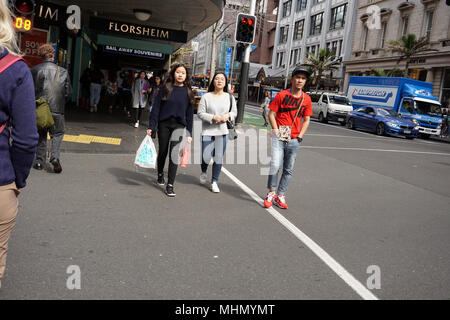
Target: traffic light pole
243 82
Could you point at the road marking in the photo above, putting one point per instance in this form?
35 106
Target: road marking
378 150
372 135
85 139
314 247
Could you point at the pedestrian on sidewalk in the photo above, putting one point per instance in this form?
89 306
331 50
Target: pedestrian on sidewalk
265 108
444 128
111 91
139 91
173 110
18 131
51 82
287 111
215 108
156 85
96 87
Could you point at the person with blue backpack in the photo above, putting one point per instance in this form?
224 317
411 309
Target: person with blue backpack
18 130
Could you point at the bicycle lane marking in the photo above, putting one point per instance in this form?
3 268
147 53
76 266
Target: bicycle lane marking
348 278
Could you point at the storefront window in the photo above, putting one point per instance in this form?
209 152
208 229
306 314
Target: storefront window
445 99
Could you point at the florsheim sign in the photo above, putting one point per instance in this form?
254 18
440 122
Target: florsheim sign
133 52
137 30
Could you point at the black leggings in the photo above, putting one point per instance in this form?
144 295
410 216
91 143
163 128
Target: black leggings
165 138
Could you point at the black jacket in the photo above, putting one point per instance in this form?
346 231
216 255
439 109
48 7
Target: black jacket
43 75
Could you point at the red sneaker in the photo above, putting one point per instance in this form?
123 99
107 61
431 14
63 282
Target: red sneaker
280 201
269 199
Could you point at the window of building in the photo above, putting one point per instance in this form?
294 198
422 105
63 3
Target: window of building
404 26
316 24
340 48
298 29
301 5
284 31
334 47
313 50
287 8
328 46
338 17
445 98
364 38
280 56
429 24
383 34
317 1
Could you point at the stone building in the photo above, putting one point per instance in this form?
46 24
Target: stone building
371 39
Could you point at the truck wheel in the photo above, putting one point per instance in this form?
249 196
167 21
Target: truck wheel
425 136
351 123
321 119
380 129
343 123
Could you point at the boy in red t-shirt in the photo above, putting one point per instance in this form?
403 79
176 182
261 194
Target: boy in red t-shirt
287 111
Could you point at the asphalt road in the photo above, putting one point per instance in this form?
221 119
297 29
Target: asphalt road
357 203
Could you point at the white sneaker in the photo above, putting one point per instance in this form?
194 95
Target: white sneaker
92 109
215 187
136 125
203 178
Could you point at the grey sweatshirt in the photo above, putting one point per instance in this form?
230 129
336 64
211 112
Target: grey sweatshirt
211 105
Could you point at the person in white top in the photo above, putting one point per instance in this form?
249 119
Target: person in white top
215 108
265 107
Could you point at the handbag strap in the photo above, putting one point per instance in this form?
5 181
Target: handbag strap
2 127
53 83
5 63
299 108
231 102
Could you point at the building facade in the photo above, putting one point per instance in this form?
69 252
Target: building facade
379 22
310 25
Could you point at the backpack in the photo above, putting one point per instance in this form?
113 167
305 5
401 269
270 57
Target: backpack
5 63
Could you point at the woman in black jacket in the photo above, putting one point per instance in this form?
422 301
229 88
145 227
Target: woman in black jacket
172 112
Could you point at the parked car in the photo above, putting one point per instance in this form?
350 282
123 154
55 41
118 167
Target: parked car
329 106
382 121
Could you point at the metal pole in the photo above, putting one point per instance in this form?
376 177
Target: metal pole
243 83
289 40
213 53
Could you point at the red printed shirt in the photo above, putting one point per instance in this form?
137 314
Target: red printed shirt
285 105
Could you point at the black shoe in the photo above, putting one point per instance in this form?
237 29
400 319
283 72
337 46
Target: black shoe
56 166
169 191
160 180
38 166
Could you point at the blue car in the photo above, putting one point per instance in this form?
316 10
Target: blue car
382 121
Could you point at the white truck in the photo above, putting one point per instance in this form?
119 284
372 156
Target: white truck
330 106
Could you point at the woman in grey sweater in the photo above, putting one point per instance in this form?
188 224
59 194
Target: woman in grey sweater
214 110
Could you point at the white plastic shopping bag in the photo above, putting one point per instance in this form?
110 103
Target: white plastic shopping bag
146 154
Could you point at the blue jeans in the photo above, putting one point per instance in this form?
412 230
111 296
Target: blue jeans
283 154
213 146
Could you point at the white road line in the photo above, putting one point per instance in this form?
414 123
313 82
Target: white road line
371 134
378 150
314 247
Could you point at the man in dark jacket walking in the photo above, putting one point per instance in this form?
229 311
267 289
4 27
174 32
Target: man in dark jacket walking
52 83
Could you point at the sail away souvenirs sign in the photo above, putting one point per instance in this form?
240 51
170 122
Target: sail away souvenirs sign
137 30
133 52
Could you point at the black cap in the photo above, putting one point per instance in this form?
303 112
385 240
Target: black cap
301 69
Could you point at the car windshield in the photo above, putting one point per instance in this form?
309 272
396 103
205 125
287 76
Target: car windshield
340 100
386 113
430 109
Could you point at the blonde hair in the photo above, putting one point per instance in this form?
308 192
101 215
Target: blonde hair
8 36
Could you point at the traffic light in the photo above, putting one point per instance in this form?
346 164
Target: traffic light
245 28
23 14
240 48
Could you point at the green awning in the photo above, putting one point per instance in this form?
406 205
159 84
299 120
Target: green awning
134 44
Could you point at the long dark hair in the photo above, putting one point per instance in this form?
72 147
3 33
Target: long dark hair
211 85
167 87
